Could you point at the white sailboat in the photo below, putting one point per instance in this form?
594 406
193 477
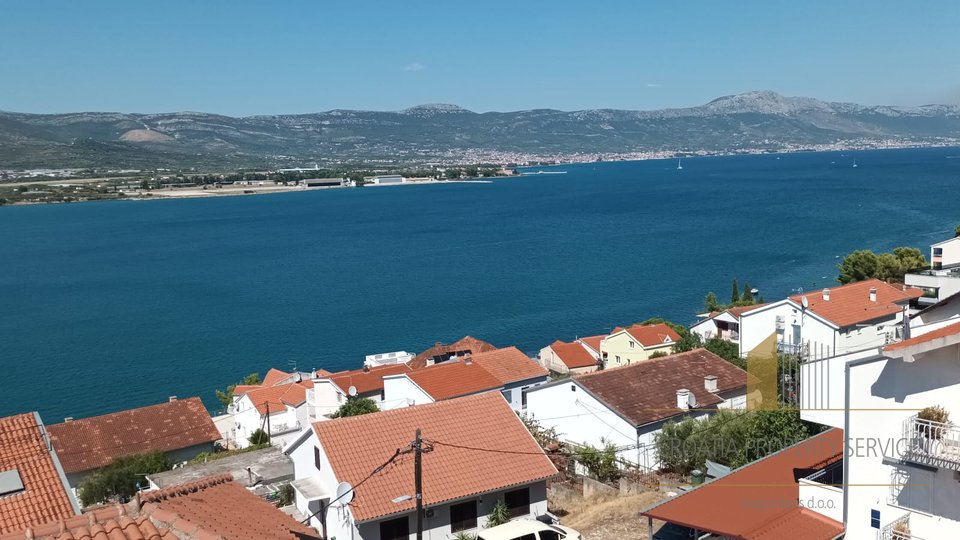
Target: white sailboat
679 164
854 164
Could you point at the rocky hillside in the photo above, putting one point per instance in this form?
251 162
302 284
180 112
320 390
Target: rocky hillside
439 131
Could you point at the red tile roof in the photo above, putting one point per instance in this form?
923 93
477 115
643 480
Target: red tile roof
740 310
366 381
768 488
208 509
493 451
933 335
91 443
466 345
217 506
592 341
509 365
850 304
276 398
454 378
44 497
650 335
573 355
274 376
646 392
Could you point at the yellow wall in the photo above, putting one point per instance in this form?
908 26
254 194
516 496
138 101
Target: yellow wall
619 345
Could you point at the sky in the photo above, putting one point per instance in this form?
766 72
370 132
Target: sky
297 56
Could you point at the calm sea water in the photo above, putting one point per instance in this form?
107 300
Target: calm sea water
105 306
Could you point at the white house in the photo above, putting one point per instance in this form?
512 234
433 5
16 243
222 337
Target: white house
722 324
507 371
898 468
833 321
943 313
628 405
387 359
569 358
942 279
385 179
331 390
279 410
370 458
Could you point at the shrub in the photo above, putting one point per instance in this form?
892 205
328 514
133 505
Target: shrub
119 480
355 407
259 438
935 414
601 462
499 515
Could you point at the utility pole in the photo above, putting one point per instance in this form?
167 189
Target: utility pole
418 482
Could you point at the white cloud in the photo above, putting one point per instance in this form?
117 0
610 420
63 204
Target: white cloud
416 66
653 85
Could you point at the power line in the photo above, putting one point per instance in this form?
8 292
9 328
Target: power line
491 450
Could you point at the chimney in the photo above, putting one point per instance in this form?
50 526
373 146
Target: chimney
873 294
172 399
68 419
467 361
826 295
710 383
683 398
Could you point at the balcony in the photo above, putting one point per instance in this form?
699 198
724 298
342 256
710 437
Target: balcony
796 349
280 429
898 529
933 444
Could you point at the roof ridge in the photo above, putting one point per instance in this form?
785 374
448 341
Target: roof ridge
184 489
399 411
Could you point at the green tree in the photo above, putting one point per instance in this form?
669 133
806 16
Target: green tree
910 259
226 397
746 298
543 435
259 438
727 350
658 354
499 515
355 406
735 295
117 482
858 266
601 462
711 303
956 232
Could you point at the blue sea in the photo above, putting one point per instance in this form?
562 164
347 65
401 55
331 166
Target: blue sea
111 305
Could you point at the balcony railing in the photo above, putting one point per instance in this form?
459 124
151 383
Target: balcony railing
897 529
798 349
280 429
932 443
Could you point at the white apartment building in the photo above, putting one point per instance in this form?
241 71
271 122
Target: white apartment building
900 470
942 279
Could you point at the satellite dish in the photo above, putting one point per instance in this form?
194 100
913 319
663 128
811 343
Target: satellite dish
805 302
352 391
344 494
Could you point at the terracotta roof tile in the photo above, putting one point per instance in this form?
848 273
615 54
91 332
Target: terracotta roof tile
454 378
91 443
500 452
650 335
939 333
218 507
593 342
646 391
366 381
767 487
573 355
740 310
466 345
274 376
211 508
509 365
850 304
279 396
44 498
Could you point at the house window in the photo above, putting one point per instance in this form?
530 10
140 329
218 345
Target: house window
316 457
618 359
523 396
463 516
395 529
573 388
549 535
632 344
518 502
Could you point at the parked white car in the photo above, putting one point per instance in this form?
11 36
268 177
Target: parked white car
528 529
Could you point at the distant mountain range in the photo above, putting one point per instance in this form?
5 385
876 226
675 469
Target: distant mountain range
755 120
